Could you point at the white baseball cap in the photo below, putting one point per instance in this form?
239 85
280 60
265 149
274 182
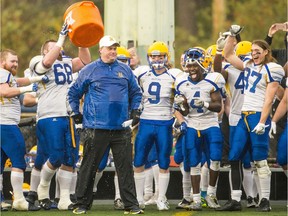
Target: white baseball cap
107 41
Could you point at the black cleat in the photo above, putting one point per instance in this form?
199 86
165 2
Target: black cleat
45 204
264 205
231 205
32 207
54 204
32 197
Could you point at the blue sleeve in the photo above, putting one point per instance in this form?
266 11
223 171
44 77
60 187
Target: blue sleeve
76 92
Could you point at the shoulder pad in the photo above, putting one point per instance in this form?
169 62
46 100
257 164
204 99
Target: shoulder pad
141 69
216 78
175 72
34 61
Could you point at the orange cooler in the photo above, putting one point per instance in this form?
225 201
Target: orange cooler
85 23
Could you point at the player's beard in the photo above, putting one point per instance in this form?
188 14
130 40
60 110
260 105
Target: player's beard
12 69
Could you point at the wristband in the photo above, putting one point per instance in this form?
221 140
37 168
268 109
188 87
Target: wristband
60 41
206 105
25 89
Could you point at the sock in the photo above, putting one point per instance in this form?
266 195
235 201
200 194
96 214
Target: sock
57 186
204 182
64 180
156 178
248 181
186 185
46 176
98 176
17 179
163 185
73 183
256 179
230 180
265 184
236 195
35 179
139 183
116 184
148 188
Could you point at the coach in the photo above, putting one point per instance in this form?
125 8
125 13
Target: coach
110 91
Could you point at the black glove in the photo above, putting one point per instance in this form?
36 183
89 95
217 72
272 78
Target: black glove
135 116
78 118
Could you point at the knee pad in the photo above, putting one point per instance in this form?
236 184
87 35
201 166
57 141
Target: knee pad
263 169
196 170
215 165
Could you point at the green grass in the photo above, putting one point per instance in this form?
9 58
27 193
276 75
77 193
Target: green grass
100 209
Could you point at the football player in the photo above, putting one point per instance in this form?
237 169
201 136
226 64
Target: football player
55 131
261 81
202 101
12 141
156 120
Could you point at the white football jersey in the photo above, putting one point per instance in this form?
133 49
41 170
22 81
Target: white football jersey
52 95
235 89
201 118
158 93
10 109
256 79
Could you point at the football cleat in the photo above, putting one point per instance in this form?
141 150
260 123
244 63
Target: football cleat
45 204
54 204
264 205
5 205
32 197
64 204
118 204
250 202
195 206
152 200
133 211
203 202
79 210
231 205
212 201
162 205
147 197
184 204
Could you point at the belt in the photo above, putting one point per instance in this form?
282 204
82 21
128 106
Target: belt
246 113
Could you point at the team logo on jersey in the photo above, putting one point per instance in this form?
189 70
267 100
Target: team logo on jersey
120 74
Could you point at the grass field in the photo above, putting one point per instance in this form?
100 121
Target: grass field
105 208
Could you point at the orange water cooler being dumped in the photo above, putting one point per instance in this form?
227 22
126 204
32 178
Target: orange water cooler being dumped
85 24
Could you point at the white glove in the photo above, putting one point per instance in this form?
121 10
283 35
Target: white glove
233 31
260 128
220 42
62 35
178 100
272 130
200 103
